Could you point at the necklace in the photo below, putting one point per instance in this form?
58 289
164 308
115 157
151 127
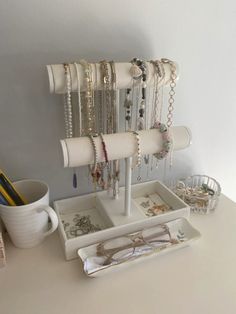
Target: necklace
78 100
68 103
142 78
158 78
171 100
89 101
107 96
115 115
68 111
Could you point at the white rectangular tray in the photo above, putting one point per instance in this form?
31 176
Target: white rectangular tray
96 264
95 217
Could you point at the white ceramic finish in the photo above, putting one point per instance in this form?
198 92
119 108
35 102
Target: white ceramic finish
27 225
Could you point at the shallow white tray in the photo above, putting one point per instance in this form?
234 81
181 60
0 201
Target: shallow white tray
181 231
159 194
104 217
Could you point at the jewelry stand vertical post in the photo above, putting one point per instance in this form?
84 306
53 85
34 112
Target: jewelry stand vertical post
128 177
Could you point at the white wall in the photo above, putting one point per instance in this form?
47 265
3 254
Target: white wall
199 35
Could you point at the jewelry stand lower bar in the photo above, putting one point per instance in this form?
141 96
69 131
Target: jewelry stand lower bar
79 152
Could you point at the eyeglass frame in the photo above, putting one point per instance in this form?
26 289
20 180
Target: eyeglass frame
109 253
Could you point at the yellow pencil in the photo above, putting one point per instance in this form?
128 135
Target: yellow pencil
10 190
7 196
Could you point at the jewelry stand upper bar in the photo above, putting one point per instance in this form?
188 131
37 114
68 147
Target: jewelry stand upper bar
57 81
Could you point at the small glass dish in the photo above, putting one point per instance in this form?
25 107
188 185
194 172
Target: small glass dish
200 192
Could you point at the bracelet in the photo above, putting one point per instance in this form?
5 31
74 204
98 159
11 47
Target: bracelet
94 171
104 148
166 140
106 160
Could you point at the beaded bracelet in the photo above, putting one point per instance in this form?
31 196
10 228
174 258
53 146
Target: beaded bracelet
166 144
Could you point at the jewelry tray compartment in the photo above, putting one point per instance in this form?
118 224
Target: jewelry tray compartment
117 253
88 219
81 221
155 201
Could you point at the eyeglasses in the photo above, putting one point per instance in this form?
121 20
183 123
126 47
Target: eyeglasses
121 249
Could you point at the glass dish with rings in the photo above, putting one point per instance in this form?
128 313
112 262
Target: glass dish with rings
200 192
111 254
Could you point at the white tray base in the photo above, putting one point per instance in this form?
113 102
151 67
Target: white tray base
112 211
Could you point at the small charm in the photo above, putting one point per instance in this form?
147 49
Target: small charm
158 209
146 159
140 125
135 72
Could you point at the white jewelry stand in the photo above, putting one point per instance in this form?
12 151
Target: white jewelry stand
78 151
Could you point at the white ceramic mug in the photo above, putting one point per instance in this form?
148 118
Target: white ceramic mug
28 225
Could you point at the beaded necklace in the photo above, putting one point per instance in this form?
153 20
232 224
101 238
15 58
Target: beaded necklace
67 103
142 78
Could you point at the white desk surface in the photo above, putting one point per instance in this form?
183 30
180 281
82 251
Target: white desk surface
199 279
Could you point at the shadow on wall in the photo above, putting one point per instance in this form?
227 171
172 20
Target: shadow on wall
31 120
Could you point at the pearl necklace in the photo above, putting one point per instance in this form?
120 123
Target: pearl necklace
67 103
